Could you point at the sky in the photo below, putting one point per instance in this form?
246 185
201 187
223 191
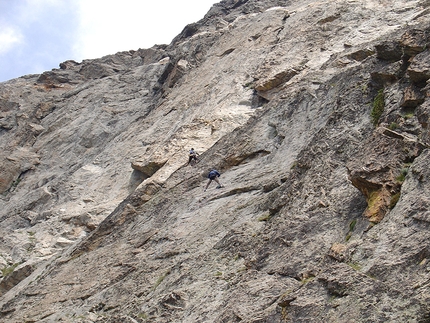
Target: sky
37 35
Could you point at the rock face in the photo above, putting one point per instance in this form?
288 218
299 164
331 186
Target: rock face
315 113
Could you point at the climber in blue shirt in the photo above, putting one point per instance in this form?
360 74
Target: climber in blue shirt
192 157
213 176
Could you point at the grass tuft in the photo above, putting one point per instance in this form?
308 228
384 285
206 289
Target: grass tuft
7 270
394 199
377 107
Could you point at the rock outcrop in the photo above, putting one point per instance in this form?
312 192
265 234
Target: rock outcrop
315 113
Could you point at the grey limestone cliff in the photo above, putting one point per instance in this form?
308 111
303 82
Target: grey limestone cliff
316 114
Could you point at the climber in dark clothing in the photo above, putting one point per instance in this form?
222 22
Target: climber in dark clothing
213 176
193 155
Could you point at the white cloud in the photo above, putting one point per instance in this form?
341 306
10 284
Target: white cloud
9 38
107 27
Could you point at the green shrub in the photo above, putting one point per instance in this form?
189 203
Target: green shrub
409 115
249 85
393 126
7 270
306 280
352 225
351 228
394 200
265 217
142 316
354 266
160 280
348 236
402 175
377 107
294 165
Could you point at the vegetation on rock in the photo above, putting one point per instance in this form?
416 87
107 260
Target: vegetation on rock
377 107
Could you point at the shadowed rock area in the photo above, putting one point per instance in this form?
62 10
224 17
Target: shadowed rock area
316 114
